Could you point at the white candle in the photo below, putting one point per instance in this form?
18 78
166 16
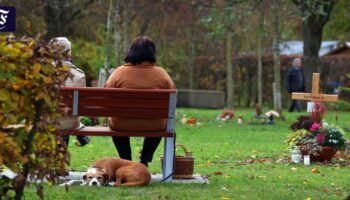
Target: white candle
306 159
296 158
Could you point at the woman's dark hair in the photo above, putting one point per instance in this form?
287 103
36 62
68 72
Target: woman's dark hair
141 49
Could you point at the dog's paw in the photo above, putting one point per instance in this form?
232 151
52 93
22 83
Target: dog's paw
110 184
117 184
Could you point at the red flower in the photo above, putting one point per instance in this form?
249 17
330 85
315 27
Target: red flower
320 138
315 126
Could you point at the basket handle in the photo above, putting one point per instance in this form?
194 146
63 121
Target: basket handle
187 153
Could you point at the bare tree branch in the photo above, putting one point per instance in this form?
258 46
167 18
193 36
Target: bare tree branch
78 12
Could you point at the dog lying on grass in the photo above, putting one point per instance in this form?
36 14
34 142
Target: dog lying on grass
122 172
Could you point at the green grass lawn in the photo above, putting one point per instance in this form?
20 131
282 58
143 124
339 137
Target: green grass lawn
226 152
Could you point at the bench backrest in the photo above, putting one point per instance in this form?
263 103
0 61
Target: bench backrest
116 102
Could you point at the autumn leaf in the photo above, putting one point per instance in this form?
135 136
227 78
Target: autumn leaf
218 173
25 159
4 95
36 68
25 79
47 80
314 170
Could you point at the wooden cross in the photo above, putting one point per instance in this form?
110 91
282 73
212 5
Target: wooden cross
315 95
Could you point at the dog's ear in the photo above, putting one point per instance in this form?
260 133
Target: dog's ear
84 177
105 178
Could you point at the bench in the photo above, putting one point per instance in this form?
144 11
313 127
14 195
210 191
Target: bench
125 103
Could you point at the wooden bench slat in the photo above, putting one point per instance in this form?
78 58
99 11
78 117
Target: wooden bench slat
106 131
125 103
123 112
118 93
120 103
119 90
124 95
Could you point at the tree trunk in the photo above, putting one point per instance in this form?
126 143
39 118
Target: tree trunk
229 70
276 56
117 34
193 46
53 16
126 27
260 35
58 14
108 40
20 180
315 15
311 61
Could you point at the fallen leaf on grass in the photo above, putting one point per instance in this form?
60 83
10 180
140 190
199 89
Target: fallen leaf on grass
226 176
338 193
218 173
224 198
263 177
308 198
224 188
314 170
326 190
293 169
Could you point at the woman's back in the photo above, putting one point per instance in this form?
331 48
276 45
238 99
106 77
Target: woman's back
142 76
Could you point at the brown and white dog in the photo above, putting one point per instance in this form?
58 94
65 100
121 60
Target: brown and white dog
123 172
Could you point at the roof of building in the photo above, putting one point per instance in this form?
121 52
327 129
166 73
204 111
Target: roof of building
342 50
296 47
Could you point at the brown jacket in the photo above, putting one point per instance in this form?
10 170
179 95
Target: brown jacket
144 76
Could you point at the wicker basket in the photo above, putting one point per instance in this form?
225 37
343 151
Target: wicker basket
183 168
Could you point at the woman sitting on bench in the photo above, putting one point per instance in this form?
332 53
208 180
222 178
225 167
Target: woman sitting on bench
63 46
139 72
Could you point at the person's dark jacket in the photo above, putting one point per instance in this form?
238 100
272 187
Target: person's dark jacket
295 81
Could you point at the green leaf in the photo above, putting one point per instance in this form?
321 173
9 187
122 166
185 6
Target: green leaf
4 95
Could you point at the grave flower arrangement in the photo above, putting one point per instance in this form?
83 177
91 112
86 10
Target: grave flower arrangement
314 136
311 136
316 139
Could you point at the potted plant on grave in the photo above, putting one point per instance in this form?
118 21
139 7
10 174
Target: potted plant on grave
319 140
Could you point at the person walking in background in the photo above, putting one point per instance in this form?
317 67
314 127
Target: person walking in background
63 46
295 82
139 72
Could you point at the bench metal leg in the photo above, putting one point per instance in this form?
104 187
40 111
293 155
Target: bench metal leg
168 162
